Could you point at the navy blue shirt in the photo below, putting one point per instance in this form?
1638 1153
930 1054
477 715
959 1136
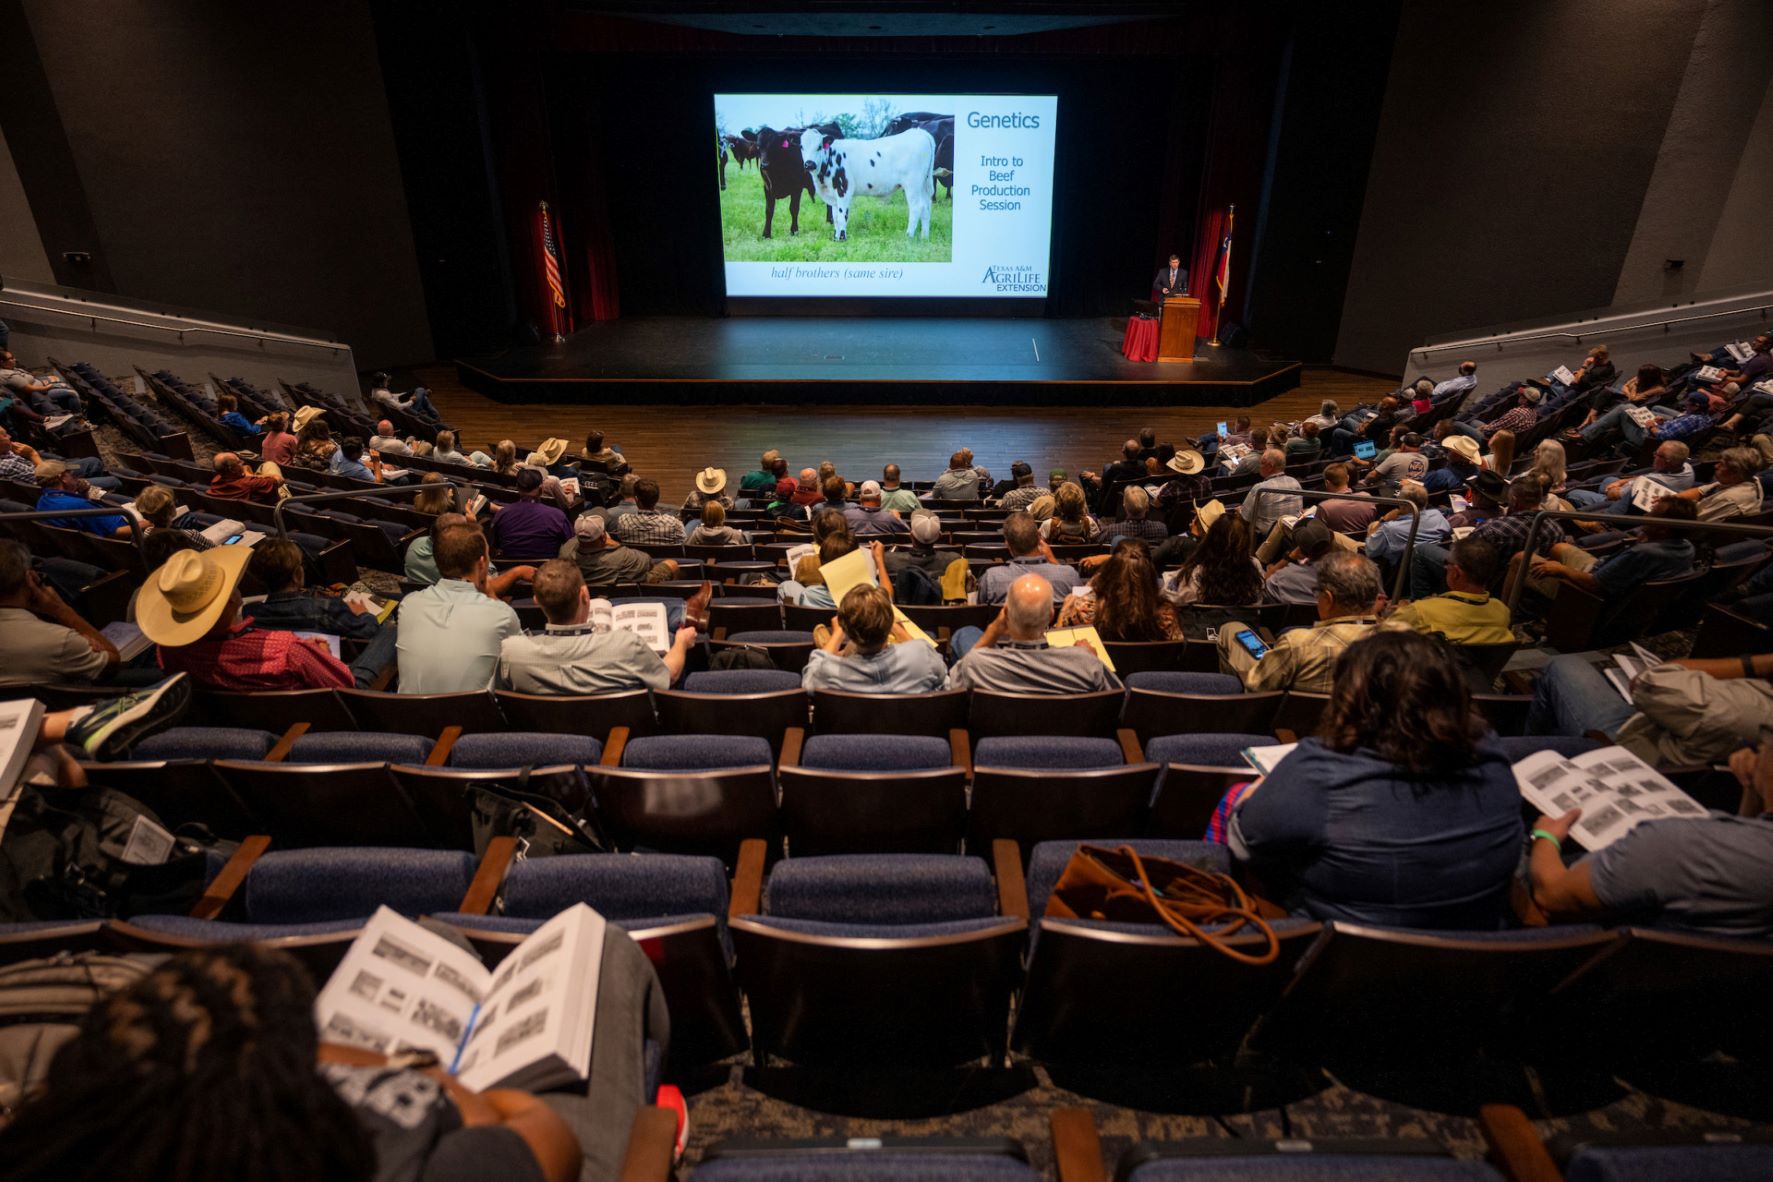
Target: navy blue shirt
1645 562
1353 837
304 611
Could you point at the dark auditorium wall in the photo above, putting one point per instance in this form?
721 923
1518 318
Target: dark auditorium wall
1516 145
237 158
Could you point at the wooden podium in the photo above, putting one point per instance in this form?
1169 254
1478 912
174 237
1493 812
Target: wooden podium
1175 334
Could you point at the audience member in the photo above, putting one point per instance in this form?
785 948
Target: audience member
530 528
1466 613
869 517
1682 712
713 530
709 489
1347 515
1121 601
1028 555
1464 460
1662 554
1304 659
1464 380
1220 571
1668 468
571 655
314 443
1293 579
924 553
156 505
761 484
1406 462
353 462
46 640
289 606
190 608
1389 538
387 442
1733 491
62 490
604 562
1400 811
959 483
227 408
1694 875
450 632
234 481
867 652
1135 520
1071 523
610 460
893 496
1305 447
1263 511
1012 655
1523 417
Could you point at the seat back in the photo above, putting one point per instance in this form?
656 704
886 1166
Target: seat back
1150 713
316 885
707 812
572 714
1145 656
1044 714
835 712
273 710
844 812
422 714
789 654
325 804
1300 713
1188 795
744 615
1029 806
765 715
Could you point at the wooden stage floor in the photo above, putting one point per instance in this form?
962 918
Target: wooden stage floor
671 438
901 360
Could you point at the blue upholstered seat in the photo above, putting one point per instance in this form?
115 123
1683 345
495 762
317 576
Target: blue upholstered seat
741 681
618 886
876 753
686 753
1208 750
502 749
849 889
360 747
205 742
866 1165
1172 682
305 886
1047 751
1047 862
223 931
1689 1163
1313 1167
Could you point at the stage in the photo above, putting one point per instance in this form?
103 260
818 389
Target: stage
895 360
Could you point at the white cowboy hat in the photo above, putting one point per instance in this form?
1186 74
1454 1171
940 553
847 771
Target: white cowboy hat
1186 462
182 601
710 481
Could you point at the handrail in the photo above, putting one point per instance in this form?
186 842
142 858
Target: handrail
135 532
1724 527
1403 568
1498 340
378 490
193 326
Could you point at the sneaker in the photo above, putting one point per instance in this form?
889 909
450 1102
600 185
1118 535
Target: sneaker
111 728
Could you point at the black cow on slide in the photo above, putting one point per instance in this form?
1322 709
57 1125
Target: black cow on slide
784 174
941 129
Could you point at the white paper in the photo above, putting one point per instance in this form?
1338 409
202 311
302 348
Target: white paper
1266 759
1739 351
148 843
54 421
1708 373
19 723
1563 375
1641 415
399 987
130 641
1615 790
646 620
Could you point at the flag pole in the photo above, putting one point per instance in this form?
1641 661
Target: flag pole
554 306
1223 273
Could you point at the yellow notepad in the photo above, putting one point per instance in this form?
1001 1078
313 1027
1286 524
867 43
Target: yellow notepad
1067 637
856 569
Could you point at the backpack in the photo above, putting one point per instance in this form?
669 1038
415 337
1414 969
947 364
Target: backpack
913 585
548 815
94 853
41 1005
741 657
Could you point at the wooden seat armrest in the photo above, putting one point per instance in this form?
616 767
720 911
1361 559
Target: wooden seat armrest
489 876
652 1143
445 744
960 748
613 747
384 678
1012 888
1130 750
747 888
1076 1149
221 888
1515 1145
720 633
280 749
793 739
1284 735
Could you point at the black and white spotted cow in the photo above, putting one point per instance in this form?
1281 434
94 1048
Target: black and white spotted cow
784 176
942 128
843 169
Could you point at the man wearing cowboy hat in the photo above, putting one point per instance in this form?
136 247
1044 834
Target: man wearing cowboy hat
710 486
548 455
190 607
1464 460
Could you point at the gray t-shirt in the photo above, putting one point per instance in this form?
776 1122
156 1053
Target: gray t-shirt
579 660
38 651
912 667
1710 876
994 584
1018 668
1403 465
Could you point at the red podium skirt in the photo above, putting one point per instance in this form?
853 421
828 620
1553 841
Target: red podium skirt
1141 342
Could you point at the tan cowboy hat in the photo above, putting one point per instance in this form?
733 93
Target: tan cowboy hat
710 481
181 601
303 417
1208 513
1186 462
551 449
1465 445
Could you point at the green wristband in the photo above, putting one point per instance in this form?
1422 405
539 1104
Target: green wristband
1558 845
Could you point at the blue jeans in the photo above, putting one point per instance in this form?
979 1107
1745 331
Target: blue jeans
57 401
1572 698
420 403
1470 430
377 655
1617 421
962 640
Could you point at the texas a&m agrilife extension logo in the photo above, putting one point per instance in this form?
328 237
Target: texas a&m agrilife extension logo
1021 277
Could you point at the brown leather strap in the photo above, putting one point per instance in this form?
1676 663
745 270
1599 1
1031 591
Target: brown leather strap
221 888
489 876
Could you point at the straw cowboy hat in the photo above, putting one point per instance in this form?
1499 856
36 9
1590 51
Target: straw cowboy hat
709 481
303 417
181 601
1186 462
1208 513
1465 445
550 450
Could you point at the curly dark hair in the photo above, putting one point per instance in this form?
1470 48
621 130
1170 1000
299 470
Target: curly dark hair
204 1071
1403 696
1227 575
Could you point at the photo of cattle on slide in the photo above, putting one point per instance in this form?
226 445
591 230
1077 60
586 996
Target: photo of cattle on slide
874 174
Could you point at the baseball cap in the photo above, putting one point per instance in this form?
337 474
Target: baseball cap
926 527
1313 538
1020 469
529 479
1056 474
589 528
870 488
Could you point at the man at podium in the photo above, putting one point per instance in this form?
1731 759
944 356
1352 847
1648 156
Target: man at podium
1172 280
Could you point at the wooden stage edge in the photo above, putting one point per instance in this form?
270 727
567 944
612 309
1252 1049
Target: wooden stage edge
1273 378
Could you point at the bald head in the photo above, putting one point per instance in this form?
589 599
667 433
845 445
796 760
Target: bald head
227 463
385 428
1028 609
1272 463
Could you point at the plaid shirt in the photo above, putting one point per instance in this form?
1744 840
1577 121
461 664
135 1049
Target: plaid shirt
1147 530
1519 419
1184 489
651 526
1683 426
1303 659
1022 497
14 466
1508 533
249 658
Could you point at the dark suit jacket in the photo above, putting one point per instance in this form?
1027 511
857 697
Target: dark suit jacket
1180 287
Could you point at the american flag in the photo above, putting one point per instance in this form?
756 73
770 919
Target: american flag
1222 276
551 259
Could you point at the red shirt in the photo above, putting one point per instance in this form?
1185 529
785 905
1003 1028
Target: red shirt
245 488
278 447
249 658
